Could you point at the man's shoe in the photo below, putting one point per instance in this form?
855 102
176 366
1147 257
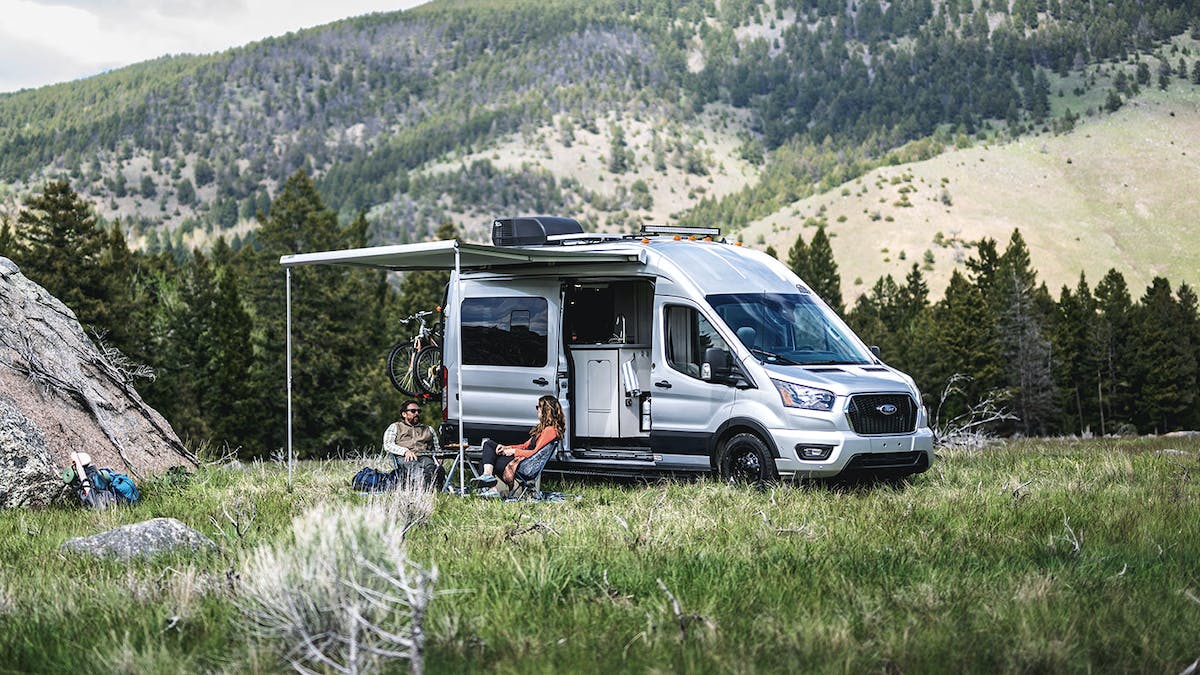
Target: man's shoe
488 493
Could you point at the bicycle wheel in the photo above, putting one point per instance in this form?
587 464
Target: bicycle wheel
400 369
429 369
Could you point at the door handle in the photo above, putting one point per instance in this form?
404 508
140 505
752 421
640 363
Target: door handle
664 384
541 381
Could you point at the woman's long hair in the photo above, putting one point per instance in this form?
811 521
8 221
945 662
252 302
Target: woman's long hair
550 414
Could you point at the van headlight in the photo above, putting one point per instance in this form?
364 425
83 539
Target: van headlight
796 396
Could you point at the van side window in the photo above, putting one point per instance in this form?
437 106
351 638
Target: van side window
688 334
505 332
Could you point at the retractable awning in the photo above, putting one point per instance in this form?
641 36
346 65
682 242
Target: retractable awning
437 255
446 255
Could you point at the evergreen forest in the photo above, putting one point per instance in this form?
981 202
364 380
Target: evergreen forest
202 338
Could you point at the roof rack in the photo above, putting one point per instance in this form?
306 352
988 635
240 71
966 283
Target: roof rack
713 232
585 238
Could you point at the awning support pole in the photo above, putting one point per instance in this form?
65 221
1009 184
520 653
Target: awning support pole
462 417
288 296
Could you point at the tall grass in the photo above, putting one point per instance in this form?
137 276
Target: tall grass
1061 556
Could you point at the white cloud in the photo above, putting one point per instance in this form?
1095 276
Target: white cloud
47 41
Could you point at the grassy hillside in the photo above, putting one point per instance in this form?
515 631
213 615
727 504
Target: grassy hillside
1054 556
1113 193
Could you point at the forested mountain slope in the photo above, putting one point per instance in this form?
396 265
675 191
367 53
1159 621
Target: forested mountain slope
617 111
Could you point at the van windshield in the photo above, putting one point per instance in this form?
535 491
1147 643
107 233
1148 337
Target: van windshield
787 329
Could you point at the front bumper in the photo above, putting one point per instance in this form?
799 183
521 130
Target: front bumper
851 453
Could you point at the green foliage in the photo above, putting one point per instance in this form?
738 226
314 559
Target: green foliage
619 155
1164 357
62 247
338 331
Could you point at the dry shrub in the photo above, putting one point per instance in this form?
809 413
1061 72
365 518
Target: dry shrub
342 595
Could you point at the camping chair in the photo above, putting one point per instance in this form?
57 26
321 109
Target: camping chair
528 477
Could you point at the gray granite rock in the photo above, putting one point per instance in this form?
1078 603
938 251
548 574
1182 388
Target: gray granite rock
61 393
141 540
28 474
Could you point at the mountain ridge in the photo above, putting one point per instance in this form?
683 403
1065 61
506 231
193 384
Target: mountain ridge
669 110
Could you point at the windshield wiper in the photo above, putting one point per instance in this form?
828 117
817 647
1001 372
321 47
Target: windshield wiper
773 356
834 363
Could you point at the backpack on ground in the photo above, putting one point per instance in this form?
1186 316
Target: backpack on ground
119 484
373 480
98 488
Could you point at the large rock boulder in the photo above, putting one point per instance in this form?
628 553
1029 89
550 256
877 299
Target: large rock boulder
141 540
59 393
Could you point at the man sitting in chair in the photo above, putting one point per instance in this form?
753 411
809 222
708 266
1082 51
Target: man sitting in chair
412 444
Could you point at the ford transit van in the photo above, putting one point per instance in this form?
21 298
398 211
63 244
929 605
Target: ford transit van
671 351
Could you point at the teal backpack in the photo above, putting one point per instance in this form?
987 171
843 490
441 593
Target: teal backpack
119 484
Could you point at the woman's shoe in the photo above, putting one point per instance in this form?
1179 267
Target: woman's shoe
484 481
488 493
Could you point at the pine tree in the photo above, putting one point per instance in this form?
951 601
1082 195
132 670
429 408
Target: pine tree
227 398
961 339
1073 326
338 321
8 240
618 151
1112 354
1189 325
983 264
872 318
1027 352
823 277
1164 360
798 258
60 248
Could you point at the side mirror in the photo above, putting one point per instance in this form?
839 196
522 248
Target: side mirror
716 365
875 351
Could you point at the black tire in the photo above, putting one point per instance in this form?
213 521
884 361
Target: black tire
746 459
400 369
429 370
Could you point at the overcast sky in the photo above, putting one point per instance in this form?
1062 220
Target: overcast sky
48 41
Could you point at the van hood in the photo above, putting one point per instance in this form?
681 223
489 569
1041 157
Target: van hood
843 379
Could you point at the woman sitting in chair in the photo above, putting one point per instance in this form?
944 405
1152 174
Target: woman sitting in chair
550 427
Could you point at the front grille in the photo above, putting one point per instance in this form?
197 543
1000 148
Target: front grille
867 414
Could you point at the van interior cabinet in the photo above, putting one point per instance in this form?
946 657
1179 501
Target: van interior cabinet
607 404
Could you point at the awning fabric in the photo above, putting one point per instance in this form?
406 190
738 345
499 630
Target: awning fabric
440 255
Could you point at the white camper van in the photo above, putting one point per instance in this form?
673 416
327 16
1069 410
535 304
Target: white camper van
670 352
682 354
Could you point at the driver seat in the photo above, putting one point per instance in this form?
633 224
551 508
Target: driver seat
748 336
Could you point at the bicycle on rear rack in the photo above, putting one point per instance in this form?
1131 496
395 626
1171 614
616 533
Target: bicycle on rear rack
415 365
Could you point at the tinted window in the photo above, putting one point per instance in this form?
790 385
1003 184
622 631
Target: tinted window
504 331
688 336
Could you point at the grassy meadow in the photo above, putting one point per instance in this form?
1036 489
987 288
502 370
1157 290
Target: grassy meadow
1045 556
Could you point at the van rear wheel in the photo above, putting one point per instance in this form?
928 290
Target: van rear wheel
746 459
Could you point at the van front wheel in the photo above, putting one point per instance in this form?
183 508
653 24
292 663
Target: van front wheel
745 459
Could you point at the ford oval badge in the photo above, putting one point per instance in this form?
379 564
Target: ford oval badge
886 409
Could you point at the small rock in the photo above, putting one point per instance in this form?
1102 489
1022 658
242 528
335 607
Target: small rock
144 539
